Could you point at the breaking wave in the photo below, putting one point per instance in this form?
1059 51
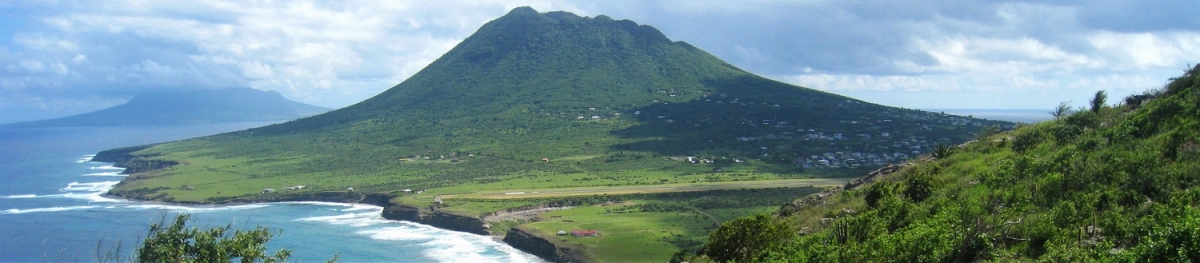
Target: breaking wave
47 209
437 244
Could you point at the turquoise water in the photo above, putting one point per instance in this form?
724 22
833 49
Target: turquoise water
51 208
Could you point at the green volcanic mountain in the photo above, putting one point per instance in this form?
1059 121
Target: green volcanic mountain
190 106
550 100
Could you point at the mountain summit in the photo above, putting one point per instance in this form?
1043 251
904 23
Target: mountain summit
607 102
189 106
552 60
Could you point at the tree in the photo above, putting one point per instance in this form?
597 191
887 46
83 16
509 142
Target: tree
177 243
1098 101
1062 110
742 239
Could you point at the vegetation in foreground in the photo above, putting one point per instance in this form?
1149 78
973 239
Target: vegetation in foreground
174 241
1098 184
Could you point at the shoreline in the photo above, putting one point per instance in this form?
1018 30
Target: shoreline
432 217
524 242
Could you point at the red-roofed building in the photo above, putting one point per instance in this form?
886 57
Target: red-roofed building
584 233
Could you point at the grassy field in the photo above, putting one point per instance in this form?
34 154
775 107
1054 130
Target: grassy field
651 227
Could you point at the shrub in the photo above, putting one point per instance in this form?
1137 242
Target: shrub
742 239
177 243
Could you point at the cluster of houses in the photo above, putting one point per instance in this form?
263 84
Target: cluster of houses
834 160
885 149
293 188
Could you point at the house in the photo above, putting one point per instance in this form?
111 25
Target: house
268 190
406 190
584 233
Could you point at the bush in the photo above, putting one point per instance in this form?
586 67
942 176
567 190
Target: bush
177 243
742 239
918 186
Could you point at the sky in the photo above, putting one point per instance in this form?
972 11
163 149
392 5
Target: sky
60 58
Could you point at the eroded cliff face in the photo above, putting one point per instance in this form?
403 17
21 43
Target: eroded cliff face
538 246
124 158
436 218
541 246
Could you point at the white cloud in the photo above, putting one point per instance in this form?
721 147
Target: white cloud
337 53
79 59
255 70
30 65
1140 51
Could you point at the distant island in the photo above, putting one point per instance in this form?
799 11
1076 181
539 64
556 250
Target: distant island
188 106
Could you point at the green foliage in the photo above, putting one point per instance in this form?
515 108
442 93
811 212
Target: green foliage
1098 101
1062 110
942 151
1114 184
741 239
177 243
876 194
1177 240
918 185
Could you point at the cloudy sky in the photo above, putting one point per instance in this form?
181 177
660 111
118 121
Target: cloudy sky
63 58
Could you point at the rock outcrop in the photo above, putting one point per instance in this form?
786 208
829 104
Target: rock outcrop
539 246
437 218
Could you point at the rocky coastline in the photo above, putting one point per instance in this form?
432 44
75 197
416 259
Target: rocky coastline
519 239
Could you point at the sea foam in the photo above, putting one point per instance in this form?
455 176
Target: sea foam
47 209
117 174
106 167
85 158
197 209
89 187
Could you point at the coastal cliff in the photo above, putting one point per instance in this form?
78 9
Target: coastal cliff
537 245
124 158
518 238
437 218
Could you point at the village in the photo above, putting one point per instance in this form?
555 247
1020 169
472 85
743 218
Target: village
806 142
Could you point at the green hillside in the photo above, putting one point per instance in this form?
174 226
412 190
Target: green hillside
189 106
1107 183
546 100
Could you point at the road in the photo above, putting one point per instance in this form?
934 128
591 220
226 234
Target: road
657 188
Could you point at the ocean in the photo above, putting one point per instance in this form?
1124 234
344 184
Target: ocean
1013 115
51 208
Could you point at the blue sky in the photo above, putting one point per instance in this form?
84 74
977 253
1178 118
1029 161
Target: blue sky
63 58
